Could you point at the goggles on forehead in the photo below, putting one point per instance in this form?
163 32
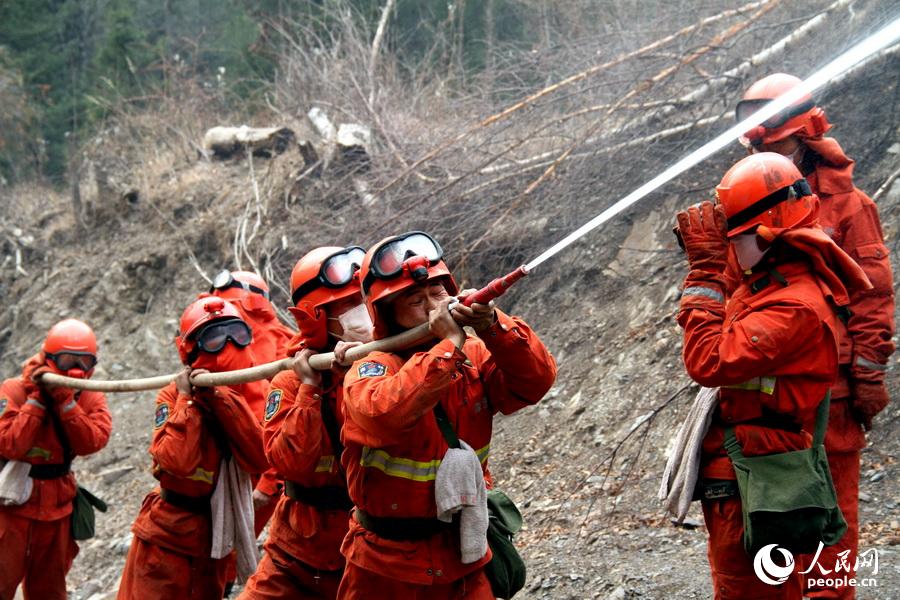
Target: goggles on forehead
389 258
225 280
798 189
213 337
745 108
336 271
67 360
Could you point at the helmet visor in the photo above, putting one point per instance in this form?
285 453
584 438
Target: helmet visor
73 360
336 271
388 260
214 336
746 108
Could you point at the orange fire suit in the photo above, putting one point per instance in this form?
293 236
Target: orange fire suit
773 351
271 340
394 448
36 547
170 554
303 558
851 219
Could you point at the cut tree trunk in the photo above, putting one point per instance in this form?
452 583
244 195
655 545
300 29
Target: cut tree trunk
225 142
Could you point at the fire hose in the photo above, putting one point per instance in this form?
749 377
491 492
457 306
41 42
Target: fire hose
876 42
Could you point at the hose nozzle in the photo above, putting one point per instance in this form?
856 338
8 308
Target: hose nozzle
496 288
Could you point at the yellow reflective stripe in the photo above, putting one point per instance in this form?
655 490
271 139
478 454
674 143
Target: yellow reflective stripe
766 385
325 464
37 452
406 468
399 467
202 475
483 453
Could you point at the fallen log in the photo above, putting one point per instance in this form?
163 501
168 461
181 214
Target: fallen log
225 142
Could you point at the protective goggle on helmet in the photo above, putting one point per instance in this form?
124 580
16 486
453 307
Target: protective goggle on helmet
336 271
387 262
225 280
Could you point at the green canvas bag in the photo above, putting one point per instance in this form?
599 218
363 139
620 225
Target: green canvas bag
84 503
506 570
788 498
83 513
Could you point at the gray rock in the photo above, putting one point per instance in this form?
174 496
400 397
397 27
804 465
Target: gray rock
617 594
878 476
110 476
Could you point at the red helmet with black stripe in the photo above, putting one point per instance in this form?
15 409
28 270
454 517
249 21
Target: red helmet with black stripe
803 118
396 263
766 189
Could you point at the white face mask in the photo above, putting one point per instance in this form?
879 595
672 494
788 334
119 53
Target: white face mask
356 323
748 251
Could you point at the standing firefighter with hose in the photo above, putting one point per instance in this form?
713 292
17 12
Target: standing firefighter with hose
249 293
304 413
396 452
851 219
772 348
198 431
42 429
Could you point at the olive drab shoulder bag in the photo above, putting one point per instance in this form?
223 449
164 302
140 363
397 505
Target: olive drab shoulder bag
788 498
84 503
506 570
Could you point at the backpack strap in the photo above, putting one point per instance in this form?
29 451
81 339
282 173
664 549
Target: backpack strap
733 447
444 425
68 455
329 419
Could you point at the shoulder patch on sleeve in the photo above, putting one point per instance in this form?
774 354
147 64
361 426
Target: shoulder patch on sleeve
371 369
273 403
3 403
162 415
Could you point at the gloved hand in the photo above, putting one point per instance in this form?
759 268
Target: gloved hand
867 399
703 231
57 394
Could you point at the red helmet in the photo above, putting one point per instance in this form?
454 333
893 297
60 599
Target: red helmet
803 118
765 189
396 263
199 313
244 287
71 348
322 276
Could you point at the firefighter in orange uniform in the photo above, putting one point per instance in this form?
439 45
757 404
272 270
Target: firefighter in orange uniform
304 413
396 548
851 219
193 428
47 427
249 293
772 348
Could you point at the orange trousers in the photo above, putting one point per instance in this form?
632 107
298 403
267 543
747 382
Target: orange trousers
845 473
732 568
153 572
280 575
361 584
37 554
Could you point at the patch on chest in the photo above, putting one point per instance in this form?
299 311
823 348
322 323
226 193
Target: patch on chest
162 415
371 369
273 403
